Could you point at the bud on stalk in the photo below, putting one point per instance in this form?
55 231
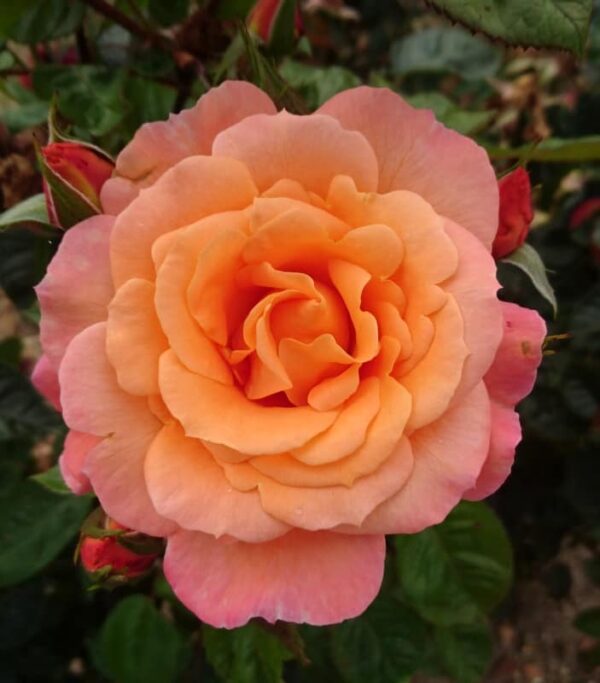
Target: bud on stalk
516 212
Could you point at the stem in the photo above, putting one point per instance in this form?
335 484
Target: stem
129 24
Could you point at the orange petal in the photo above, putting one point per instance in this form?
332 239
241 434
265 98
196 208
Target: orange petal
134 338
201 185
222 414
376 248
189 342
325 508
213 297
348 432
309 149
382 435
186 485
350 281
433 381
331 392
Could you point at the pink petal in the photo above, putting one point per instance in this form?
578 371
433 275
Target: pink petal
310 149
417 153
158 146
187 485
92 400
448 456
77 287
474 287
513 371
71 462
303 577
506 434
45 379
116 470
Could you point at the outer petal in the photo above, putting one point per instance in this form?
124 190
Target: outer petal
512 374
310 149
317 578
72 460
187 485
506 434
116 470
474 287
77 288
158 146
45 379
92 400
448 455
417 153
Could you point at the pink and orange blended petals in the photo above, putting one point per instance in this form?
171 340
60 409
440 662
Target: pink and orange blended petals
283 341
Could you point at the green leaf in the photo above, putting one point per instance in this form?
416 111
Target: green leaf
588 621
461 120
168 12
12 10
24 257
21 405
234 9
443 50
52 480
31 210
317 84
450 572
283 32
465 651
384 644
553 149
35 525
138 645
537 23
529 261
245 655
41 20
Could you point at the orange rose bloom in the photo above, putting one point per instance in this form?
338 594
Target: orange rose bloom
278 345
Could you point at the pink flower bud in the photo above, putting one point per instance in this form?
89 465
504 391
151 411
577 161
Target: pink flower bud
263 16
109 556
80 167
516 212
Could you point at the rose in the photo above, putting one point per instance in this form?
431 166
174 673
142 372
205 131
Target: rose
515 214
282 341
109 559
79 166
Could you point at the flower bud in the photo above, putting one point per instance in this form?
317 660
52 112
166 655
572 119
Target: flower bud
263 17
516 212
80 167
108 557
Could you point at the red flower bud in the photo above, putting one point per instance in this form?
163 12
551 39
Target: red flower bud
263 16
516 212
111 557
80 167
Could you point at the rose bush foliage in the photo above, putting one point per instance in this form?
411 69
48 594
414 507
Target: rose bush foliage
281 340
